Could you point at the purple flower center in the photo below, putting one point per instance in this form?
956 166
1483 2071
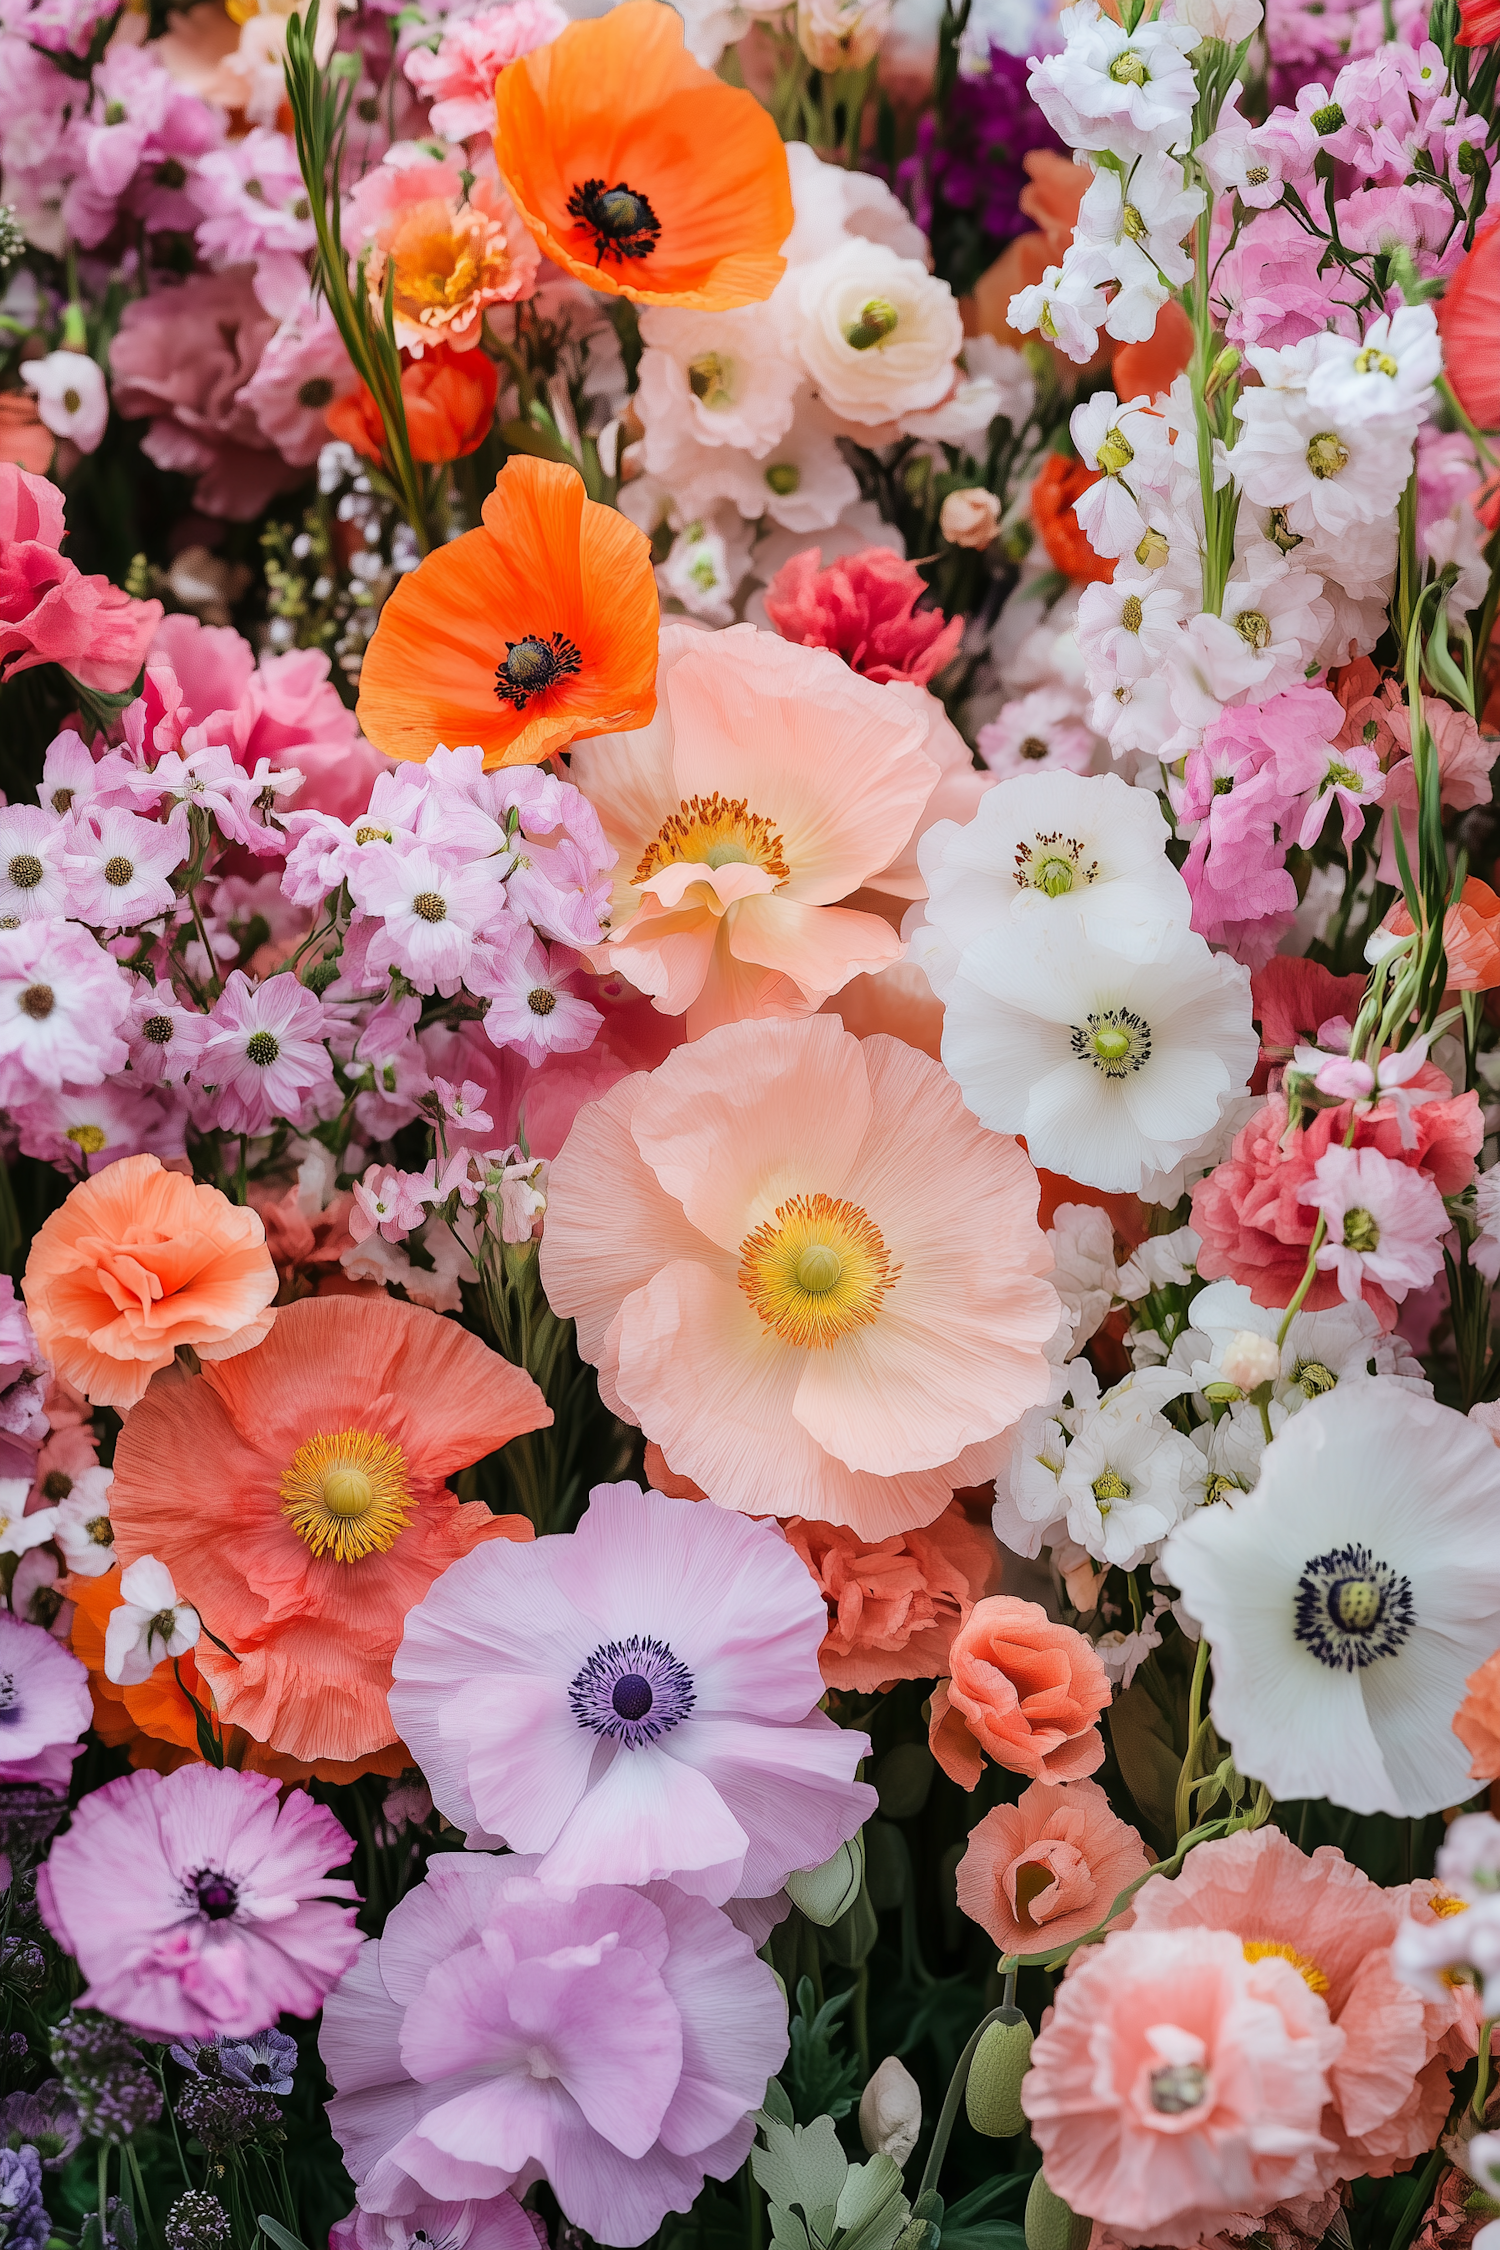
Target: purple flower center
632 1691
214 1894
10 1700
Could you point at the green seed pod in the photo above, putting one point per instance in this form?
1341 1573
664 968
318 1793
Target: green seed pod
1050 2225
993 2094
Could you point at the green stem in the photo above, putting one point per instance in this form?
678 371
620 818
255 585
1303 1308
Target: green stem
1292 1310
949 2112
1482 2081
1189 1773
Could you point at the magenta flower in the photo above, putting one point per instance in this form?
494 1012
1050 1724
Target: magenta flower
61 1000
611 2043
195 1904
265 1057
44 1706
634 1699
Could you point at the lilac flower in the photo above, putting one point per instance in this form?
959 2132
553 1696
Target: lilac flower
254 201
44 1705
164 1037
268 2062
61 1002
265 1057
48 2119
24 2224
119 867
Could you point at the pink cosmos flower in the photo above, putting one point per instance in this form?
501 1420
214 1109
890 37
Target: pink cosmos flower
50 613
535 1006
44 1706
1177 2084
459 79
265 1057
33 875
84 1128
61 1001
164 1037
194 1903
864 607
119 867
433 912
814 1235
612 2043
1386 1221
635 1699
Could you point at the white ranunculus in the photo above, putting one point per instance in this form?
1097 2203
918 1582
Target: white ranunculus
719 377
878 334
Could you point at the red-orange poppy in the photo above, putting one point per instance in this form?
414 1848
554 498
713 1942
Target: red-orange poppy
1146 370
527 634
1479 22
1061 481
638 170
1469 321
449 398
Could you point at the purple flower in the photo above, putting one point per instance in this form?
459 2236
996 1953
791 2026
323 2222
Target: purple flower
48 2119
973 161
44 1705
498 2224
265 1057
24 2224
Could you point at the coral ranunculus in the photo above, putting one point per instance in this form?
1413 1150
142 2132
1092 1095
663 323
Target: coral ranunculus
895 1604
638 171
138 1261
522 636
1025 1690
449 397
806 1271
1046 1870
319 1513
865 607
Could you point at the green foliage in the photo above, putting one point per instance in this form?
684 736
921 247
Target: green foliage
824 2077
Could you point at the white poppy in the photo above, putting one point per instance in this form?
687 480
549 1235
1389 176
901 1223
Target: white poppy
1347 1599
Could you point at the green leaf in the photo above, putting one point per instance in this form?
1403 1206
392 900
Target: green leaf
776 2104
800 2164
278 2234
525 437
872 2207
823 2079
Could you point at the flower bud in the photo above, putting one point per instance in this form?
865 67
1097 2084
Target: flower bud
824 1893
1250 1360
970 518
890 2111
993 2094
1050 2225
842 34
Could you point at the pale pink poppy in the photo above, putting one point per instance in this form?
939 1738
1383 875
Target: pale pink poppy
1044 1871
805 1270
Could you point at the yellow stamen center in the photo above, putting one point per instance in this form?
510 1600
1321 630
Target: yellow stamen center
345 1493
1444 1905
713 832
1262 1949
443 259
816 1270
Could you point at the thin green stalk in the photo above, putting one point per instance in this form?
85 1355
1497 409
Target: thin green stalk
949 2111
1188 1774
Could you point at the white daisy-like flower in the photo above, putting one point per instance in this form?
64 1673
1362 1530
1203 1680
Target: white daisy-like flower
1126 628
1129 446
1280 614
1347 1599
1112 1069
1116 89
1389 374
1328 468
1126 1480
1344 1344
1138 226
722 376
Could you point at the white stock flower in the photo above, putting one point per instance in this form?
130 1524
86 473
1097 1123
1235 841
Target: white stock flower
1127 1477
878 333
1280 613
1125 629
1129 447
1348 1597
1344 1344
18 1531
1229 20
150 1625
1112 1069
705 565
83 1530
1229 1453
1082 1241
1139 228
1067 306
1330 470
1110 88
1388 375
720 377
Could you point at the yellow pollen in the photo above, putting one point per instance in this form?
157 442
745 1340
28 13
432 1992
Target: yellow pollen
345 1493
1444 1905
444 260
1262 1949
714 832
816 1270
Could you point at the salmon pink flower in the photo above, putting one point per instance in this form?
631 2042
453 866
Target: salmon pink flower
450 252
1024 1689
743 1225
320 1515
459 78
895 1604
863 607
1044 1871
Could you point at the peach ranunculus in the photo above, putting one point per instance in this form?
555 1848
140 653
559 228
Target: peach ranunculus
1477 1722
1046 1870
772 783
1024 1690
1388 2090
452 253
297 1496
138 1261
802 1267
895 1604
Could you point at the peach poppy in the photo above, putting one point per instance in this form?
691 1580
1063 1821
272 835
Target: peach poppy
771 783
1146 370
638 171
1046 1870
449 253
138 1261
296 1494
805 1271
448 397
1477 1722
1471 937
1024 1690
1060 482
522 636
1469 311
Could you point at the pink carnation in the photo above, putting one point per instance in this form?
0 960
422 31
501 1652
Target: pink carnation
459 80
194 1903
864 607
50 613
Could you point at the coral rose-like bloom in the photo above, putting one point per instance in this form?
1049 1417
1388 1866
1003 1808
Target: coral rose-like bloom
449 400
138 1261
769 785
895 1604
1023 1689
635 1699
640 172
450 254
1177 2084
44 1706
1389 2089
319 1515
535 629
496 2034
194 1903
864 607
802 1267
1477 1721
1044 1871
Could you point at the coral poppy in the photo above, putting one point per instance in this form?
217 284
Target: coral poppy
138 1261
1477 1720
449 397
319 1514
1060 483
640 172
1024 1689
1469 313
1471 937
522 636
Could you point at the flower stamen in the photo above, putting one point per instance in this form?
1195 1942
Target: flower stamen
816 1271
345 1493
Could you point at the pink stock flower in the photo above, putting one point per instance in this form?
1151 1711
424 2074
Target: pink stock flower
864 607
61 1001
1385 1222
212 665
390 1203
131 145
265 1057
612 2043
253 200
459 79
635 1700
44 1706
463 1105
1044 1871
1464 757
1177 2085
50 613
432 913
302 370
194 1903
1268 290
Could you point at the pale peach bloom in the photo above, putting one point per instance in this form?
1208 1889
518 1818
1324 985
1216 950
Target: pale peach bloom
1388 2090
1477 1721
1042 1872
138 1261
1025 1690
453 253
772 783
955 794
806 1272
898 1001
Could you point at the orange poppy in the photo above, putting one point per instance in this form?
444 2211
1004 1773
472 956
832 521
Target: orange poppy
1469 321
536 629
1479 22
639 171
1061 480
1471 937
1146 370
449 398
